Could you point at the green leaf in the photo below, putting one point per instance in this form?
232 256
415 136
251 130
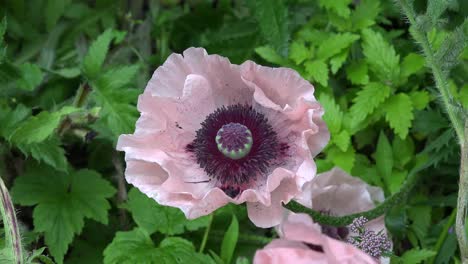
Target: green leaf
403 151
340 7
384 158
230 240
412 64
334 44
54 10
399 113
62 202
272 16
421 221
38 128
152 217
342 159
367 100
435 8
298 52
356 72
270 55
380 56
48 151
365 14
96 55
337 61
31 77
318 71
11 118
395 221
136 246
333 114
448 55
420 99
416 256
342 140
396 180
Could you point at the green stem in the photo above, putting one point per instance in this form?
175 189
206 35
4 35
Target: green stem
443 234
463 201
205 235
12 234
381 209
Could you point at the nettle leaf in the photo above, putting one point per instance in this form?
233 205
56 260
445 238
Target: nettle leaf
420 99
334 44
333 114
11 118
356 72
118 112
342 140
403 151
399 113
136 246
416 256
298 52
384 158
318 71
342 159
365 14
230 240
381 56
270 55
38 128
367 100
62 202
48 151
152 217
337 61
97 53
340 7
412 64
272 16
31 76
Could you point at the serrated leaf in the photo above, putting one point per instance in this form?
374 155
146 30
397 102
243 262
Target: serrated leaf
333 114
447 56
270 55
384 158
340 7
334 44
403 151
53 11
411 64
435 8
342 140
48 151
416 256
272 16
337 61
136 246
38 128
356 72
31 77
152 217
367 100
298 52
11 118
318 71
365 14
230 240
62 202
420 99
342 159
97 53
381 56
399 113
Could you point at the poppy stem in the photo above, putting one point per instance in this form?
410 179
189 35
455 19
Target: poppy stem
205 236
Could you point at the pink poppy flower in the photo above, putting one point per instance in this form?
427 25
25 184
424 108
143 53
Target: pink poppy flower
302 242
338 193
212 133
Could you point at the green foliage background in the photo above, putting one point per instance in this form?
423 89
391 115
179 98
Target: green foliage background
71 71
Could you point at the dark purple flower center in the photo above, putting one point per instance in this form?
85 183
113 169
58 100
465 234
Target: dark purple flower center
236 146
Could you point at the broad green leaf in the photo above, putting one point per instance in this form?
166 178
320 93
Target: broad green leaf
421 221
365 14
318 71
334 44
416 256
62 202
384 158
96 55
152 217
38 128
11 118
31 77
342 140
395 221
298 52
136 246
342 159
337 61
68 72
48 151
356 72
272 16
333 114
230 240
340 7
270 55
403 151
367 100
396 180
381 56
399 113
411 64
420 99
